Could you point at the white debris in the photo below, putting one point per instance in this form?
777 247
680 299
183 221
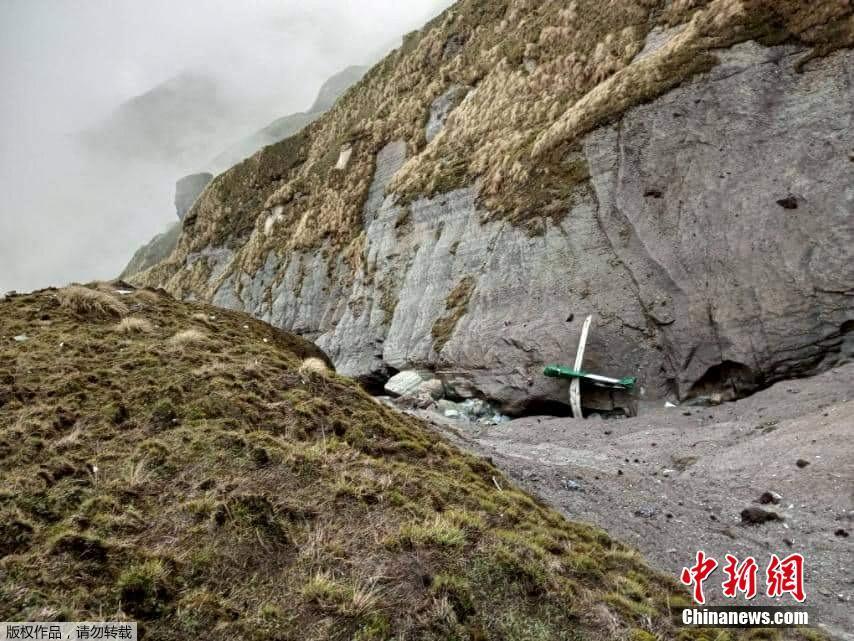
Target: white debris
124 292
21 338
406 383
277 215
344 157
669 404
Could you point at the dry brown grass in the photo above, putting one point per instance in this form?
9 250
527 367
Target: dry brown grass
544 74
147 296
134 325
69 440
187 338
88 302
313 366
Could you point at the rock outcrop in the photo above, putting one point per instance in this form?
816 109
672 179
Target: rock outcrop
187 190
703 217
154 251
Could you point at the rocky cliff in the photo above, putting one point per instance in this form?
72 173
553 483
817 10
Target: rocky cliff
680 170
188 188
153 252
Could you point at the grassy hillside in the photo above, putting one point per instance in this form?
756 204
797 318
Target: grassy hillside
205 473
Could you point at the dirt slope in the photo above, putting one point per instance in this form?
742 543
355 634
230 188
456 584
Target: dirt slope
675 480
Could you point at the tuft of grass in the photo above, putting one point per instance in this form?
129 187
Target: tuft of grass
163 414
142 588
147 296
15 533
69 440
137 473
91 303
333 596
81 547
187 338
134 325
438 532
323 591
314 366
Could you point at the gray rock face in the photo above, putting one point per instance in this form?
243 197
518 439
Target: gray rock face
441 109
699 279
187 190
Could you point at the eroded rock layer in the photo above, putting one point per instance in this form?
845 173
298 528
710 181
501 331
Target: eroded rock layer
708 231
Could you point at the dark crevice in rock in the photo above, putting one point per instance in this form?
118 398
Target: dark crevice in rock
727 381
374 382
545 407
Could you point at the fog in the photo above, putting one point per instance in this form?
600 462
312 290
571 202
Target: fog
74 211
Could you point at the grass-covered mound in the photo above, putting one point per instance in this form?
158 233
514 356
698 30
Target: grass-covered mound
207 474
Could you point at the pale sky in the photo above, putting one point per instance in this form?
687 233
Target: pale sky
66 65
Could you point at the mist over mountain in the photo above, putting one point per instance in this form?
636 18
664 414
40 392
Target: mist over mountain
286 126
188 188
107 104
178 121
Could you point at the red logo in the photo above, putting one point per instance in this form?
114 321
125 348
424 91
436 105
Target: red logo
786 576
783 577
741 577
697 575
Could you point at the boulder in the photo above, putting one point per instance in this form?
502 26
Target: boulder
406 383
432 388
